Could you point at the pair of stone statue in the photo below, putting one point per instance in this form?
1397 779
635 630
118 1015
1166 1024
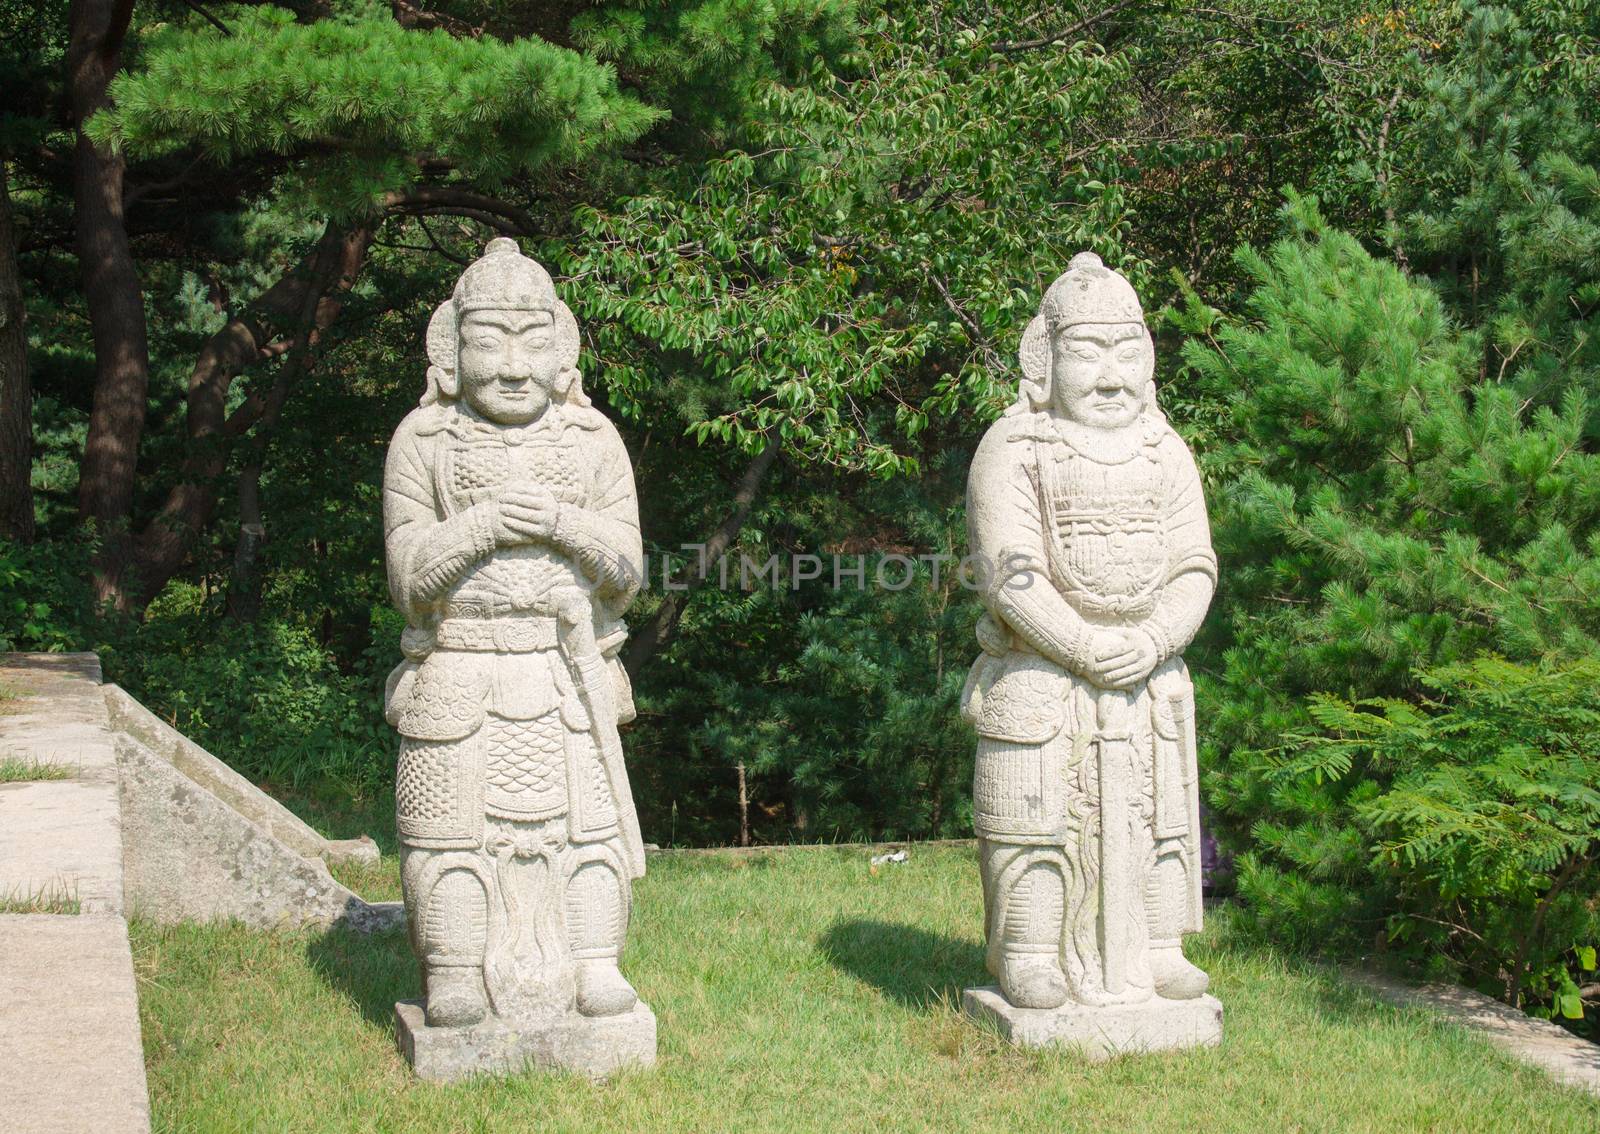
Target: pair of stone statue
512 536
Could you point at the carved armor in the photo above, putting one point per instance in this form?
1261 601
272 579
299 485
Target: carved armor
1108 548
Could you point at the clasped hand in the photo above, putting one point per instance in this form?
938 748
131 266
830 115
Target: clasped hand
526 515
1121 658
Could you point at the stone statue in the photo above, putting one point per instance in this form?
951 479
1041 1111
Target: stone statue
512 535
1087 508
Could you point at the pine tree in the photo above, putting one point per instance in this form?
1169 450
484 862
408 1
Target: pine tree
1499 200
1387 511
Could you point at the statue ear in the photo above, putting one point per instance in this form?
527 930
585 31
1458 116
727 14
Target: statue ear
1151 405
569 383
566 335
442 331
569 388
1034 354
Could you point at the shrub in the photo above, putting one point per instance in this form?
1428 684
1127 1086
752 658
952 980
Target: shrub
1487 830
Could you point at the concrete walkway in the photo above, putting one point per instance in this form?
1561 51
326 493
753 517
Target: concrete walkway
1550 1047
69 1020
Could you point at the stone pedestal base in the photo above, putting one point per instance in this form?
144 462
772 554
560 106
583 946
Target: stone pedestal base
1102 1033
590 1045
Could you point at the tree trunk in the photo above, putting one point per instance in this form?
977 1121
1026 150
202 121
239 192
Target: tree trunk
744 808
16 392
244 587
111 292
318 284
658 631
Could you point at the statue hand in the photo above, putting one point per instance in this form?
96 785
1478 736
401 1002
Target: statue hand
1124 658
577 619
526 515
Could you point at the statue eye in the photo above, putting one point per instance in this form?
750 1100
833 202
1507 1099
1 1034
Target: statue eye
1088 354
484 342
1130 354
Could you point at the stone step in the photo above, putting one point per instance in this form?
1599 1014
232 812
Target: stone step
60 839
61 845
69 1027
133 720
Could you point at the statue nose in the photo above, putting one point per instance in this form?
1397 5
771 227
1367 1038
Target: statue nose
518 367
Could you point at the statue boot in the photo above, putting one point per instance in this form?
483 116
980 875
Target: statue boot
1176 978
454 932
1167 900
1029 961
597 922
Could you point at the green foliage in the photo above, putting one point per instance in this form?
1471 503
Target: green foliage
379 98
706 60
43 597
267 697
844 278
1391 513
1488 823
1505 211
840 704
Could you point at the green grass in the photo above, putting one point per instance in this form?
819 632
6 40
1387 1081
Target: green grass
18 769
798 991
57 898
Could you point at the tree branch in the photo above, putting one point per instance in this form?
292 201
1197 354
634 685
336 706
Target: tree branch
116 29
657 632
318 284
207 16
979 339
1016 46
440 199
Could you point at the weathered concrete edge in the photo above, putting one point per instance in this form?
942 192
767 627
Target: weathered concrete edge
1538 1043
190 855
76 973
132 719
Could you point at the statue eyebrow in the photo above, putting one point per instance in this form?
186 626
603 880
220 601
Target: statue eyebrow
1107 335
510 322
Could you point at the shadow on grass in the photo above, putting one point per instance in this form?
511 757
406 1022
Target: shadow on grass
911 965
373 969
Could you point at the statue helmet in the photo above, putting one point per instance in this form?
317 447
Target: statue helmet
1090 292
503 279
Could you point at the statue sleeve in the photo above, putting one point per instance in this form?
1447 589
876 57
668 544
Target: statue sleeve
425 554
1182 603
604 537
1007 533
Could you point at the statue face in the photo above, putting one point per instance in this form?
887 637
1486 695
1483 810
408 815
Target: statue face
1100 372
508 363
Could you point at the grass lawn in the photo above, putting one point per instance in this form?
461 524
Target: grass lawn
798 991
